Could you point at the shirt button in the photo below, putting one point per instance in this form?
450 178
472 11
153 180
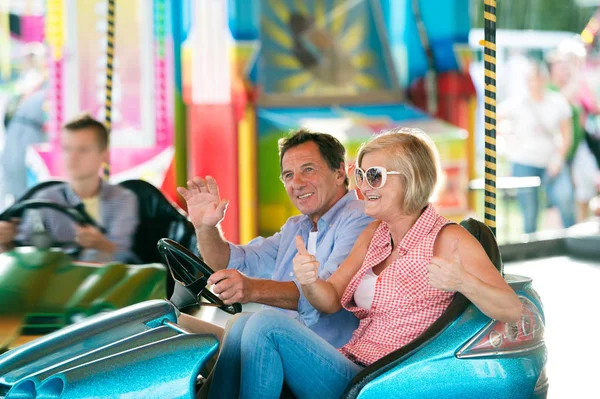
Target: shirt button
291 274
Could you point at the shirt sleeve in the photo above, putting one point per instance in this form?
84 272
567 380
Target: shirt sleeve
507 109
565 108
257 258
124 224
25 229
346 235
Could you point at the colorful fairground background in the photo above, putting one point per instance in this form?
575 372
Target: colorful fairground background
398 65
197 93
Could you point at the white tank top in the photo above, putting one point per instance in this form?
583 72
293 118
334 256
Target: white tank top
312 242
363 296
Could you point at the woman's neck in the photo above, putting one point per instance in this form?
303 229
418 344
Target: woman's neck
400 226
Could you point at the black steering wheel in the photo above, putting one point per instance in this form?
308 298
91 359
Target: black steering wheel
76 213
191 272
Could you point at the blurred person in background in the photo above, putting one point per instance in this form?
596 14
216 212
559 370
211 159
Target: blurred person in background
539 141
24 121
567 68
84 149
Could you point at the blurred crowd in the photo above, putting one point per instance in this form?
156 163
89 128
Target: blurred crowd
550 121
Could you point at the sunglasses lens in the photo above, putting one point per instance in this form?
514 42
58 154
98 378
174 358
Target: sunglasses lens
374 177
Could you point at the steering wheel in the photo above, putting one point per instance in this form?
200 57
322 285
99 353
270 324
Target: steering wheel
184 266
76 213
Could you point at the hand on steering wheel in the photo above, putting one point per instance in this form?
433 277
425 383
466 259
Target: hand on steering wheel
191 272
76 213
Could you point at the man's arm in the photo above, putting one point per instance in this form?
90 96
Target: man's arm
232 286
248 273
212 246
566 132
283 295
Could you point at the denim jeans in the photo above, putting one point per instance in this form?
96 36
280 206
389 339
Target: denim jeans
263 349
559 192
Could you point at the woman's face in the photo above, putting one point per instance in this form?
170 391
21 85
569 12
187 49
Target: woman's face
383 203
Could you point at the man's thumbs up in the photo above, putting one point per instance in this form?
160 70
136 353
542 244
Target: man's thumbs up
306 267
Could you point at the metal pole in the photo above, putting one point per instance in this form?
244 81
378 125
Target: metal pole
110 54
489 58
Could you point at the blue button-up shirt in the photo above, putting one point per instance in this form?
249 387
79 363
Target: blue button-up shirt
271 258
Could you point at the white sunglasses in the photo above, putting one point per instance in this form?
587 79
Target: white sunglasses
376 176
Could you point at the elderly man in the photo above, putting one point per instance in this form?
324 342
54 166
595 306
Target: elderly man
313 171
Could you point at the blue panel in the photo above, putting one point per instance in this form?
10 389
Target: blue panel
165 369
290 117
447 23
244 18
186 17
77 339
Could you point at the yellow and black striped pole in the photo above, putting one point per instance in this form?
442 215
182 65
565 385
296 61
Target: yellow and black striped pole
489 59
110 55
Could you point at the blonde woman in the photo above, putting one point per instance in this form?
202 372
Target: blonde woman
399 278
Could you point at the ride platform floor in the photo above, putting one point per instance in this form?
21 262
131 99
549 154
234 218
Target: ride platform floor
570 291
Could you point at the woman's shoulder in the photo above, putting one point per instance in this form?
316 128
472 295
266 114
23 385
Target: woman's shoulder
444 242
369 234
372 228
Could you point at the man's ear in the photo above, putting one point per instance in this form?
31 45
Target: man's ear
341 174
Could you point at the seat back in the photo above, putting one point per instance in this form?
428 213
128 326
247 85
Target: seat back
456 308
486 238
158 218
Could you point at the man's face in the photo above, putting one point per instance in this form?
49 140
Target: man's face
82 156
312 186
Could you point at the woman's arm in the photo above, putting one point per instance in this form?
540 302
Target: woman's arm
461 264
326 296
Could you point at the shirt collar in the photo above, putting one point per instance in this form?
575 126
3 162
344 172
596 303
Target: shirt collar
329 216
74 199
422 226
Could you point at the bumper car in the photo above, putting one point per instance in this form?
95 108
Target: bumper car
42 287
139 351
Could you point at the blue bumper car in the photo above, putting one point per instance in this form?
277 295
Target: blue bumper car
140 351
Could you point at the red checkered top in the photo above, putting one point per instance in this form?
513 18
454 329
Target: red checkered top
404 304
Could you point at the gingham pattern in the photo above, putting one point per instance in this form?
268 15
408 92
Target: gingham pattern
404 304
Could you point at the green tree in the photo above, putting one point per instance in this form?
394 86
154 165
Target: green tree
562 15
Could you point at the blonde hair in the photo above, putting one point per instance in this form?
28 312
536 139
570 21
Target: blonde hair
414 155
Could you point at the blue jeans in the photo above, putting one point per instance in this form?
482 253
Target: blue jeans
263 349
559 192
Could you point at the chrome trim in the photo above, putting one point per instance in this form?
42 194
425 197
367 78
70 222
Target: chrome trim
176 327
519 351
476 337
